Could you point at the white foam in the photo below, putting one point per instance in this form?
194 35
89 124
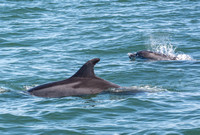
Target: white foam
129 54
28 87
145 88
184 57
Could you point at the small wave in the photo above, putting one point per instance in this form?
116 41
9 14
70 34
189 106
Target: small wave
137 89
2 90
27 87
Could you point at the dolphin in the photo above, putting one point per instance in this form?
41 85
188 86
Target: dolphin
144 54
83 82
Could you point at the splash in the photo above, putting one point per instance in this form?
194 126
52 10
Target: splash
184 57
163 45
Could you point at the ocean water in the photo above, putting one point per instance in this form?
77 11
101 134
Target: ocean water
49 40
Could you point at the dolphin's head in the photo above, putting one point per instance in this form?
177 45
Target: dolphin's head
132 56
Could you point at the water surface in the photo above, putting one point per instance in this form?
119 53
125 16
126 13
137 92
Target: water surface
45 41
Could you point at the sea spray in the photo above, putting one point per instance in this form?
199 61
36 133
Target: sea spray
162 44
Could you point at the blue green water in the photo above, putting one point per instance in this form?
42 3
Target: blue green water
48 40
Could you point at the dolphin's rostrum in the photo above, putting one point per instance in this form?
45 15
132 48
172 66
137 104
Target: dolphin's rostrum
83 82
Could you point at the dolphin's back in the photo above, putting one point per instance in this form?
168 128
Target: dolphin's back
83 82
151 55
72 87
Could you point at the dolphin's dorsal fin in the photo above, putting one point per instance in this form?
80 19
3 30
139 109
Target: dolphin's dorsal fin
87 70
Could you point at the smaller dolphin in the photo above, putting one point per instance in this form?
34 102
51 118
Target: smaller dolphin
83 82
150 55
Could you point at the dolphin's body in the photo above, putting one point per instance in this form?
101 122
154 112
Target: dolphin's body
83 82
150 55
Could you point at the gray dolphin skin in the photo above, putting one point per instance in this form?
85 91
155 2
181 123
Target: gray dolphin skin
150 55
83 82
